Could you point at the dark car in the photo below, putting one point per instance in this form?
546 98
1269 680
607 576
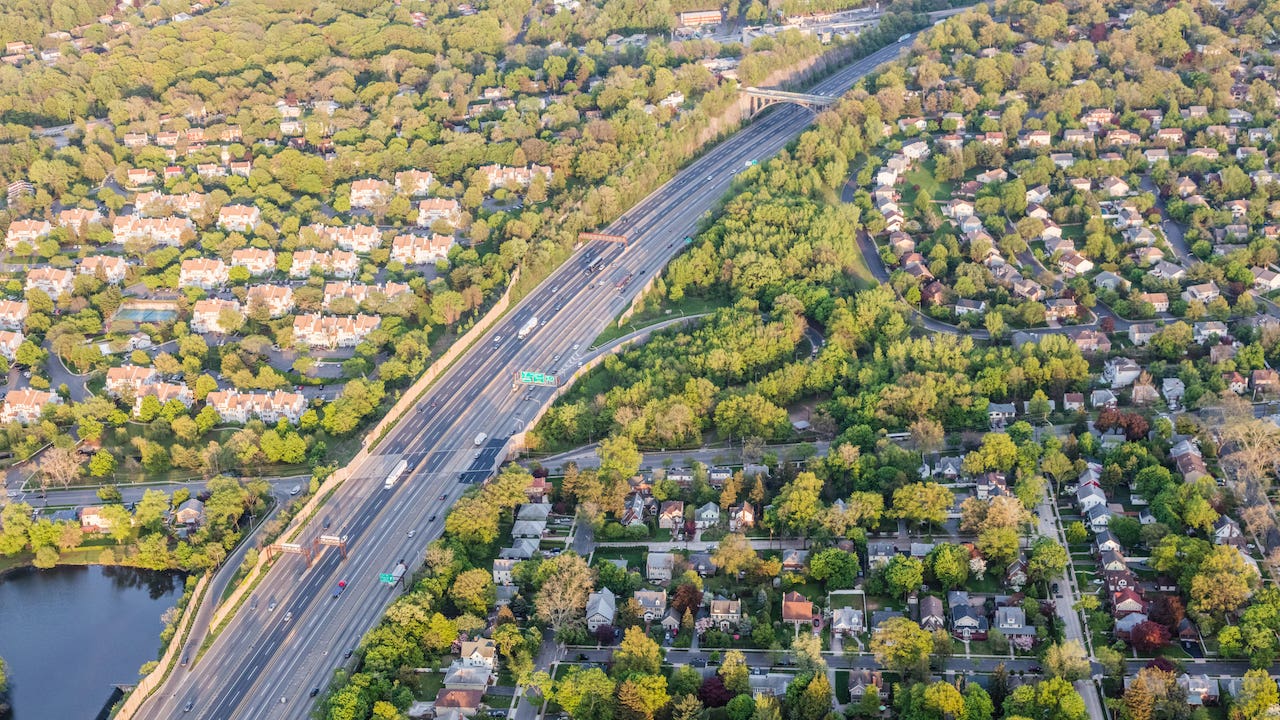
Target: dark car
314 692
698 663
346 654
187 708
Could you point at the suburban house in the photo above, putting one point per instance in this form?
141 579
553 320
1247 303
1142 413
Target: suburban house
741 517
52 281
421 249
847 621
202 273
163 392
189 513
206 315
28 231
726 613
128 378
369 192
796 609
256 260
235 406
931 614
653 603
501 176
92 519
671 515
707 516
239 218
1012 621
360 239
333 330
338 263
967 621
658 566
26 405
413 182
601 607
433 210
862 682
276 299
107 267
10 341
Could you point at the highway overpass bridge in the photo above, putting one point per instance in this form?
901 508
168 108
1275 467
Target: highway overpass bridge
761 98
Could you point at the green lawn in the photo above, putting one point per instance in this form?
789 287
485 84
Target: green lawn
651 315
922 176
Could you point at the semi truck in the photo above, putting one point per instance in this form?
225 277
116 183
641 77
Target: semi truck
395 474
528 327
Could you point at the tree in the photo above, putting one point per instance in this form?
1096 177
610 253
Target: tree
562 598
1076 532
1050 699
1147 637
473 591
586 694
815 700
922 503
713 693
638 653
949 565
1066 660
904 574
902 646
1048 559
999 545
799 503
1257 696
59 466
735 554
741 707
640 697
735 673
997 452
837 568
1222 582
15 522
687 707
619 458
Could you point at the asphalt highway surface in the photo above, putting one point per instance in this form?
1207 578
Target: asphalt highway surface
294 631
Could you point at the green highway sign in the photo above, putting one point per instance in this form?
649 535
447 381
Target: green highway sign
387 578
537 378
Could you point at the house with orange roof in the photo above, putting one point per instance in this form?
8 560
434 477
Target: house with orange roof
26 405
202 273
277 299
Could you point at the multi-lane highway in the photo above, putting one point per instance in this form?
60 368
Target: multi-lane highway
266 661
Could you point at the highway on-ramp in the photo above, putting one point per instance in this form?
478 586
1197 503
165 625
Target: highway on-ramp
266 661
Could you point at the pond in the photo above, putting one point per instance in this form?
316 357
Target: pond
70 634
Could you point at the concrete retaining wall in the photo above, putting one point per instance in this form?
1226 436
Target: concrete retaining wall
155 677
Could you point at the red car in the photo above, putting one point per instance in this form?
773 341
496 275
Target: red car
342 584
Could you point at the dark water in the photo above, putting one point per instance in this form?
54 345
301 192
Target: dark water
67 635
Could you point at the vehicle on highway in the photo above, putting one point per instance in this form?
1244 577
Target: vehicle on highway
441 498
342 585
190 704
480 438
412 533
253 603
185 659
529 326
431 519
395 474
904 38
314 692
347 654
497 339
272 606
288 616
